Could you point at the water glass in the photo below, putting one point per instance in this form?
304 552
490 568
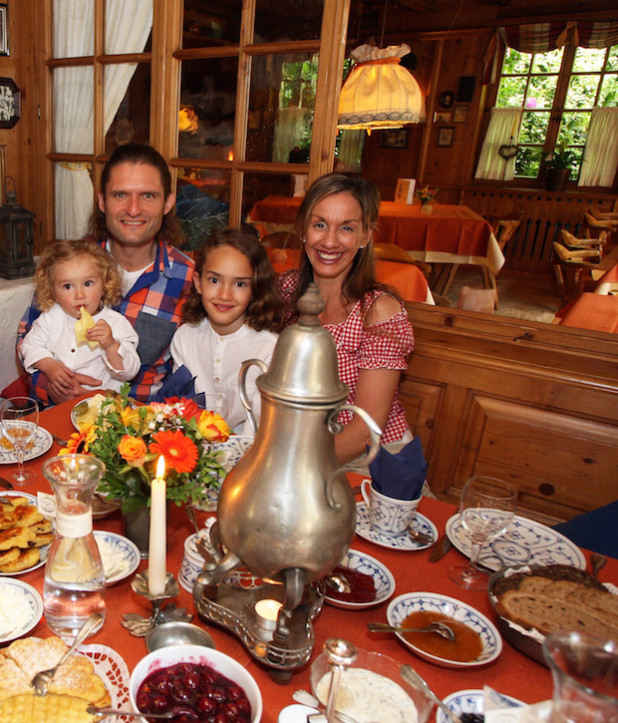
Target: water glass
19 417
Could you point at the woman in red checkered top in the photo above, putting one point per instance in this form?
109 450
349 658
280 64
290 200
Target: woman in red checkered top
368 321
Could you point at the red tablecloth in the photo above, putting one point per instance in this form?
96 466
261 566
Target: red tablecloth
512 673
591 311
449 234
407 279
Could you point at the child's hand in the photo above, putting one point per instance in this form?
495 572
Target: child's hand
61 379
101 332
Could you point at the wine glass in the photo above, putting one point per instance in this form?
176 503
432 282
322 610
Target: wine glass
486 507
19 417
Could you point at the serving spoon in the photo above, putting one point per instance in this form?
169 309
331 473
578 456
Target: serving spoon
170 715
408 672
435 627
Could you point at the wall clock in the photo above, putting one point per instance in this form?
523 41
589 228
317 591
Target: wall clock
10 103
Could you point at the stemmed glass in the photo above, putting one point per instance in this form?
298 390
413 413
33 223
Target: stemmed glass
19 417
486 507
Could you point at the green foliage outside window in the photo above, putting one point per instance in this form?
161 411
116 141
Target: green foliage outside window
531 81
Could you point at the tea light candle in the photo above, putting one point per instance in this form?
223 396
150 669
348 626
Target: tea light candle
157 548
266 612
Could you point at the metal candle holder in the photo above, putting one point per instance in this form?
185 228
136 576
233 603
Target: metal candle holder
139 625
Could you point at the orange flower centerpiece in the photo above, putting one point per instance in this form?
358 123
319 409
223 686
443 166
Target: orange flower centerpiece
426 194
130 439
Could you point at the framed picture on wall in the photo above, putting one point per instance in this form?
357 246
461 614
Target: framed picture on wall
397 138
4 29
445 136
460 114
441 116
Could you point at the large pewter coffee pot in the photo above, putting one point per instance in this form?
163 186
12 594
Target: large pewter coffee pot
287 510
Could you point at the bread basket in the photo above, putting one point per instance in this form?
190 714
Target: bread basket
530 641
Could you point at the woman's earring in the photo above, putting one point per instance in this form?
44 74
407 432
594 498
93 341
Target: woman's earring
304 240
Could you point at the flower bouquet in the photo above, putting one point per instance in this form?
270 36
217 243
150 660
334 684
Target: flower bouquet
129 439
426 194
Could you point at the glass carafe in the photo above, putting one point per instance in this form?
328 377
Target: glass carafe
585 672
74 585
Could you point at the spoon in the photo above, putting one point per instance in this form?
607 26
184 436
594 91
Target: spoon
191 515
421 537
435 627
408 672
170 715
598 563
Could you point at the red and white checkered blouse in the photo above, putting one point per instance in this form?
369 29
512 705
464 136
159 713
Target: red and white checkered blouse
384 345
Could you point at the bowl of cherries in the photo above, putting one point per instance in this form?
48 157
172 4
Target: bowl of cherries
195 683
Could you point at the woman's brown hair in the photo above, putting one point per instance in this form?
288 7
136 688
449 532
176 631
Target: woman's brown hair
265 310
56 252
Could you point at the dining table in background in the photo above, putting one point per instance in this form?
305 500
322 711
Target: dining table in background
450 234
512 673
407 279
598 312
15 297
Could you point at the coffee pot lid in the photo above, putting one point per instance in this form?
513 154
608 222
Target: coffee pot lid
304 362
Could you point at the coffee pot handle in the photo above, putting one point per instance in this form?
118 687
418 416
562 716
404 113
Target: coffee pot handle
244 397
357 465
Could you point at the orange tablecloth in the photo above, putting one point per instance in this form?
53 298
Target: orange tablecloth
591 311
512 673
450 234
407 279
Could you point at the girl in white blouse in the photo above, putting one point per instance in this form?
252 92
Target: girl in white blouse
233 314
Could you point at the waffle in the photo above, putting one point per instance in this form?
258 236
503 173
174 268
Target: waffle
73 688
51 708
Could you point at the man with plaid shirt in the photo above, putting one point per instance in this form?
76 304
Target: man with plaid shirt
134 221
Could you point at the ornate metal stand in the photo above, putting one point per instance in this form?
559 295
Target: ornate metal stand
139 625
286 648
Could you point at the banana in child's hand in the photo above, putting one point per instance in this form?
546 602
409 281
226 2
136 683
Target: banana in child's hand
82 325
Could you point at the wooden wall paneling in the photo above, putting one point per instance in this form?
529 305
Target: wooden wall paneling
534 403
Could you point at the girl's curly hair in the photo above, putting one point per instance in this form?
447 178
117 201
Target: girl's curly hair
56 252
265 310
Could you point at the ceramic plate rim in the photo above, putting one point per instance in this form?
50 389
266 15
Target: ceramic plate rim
129 544
441 717
509 562
43 551
37 612
346 605
408 544
43 443
444 662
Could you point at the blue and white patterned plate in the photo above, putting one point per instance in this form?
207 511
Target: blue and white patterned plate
410 602
124 556
23 595
420 523
471 701
382 579
38 445
524 542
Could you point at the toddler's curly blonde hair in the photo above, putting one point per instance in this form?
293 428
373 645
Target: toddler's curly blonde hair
58 251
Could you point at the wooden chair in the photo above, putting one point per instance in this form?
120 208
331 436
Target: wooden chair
572 268
282 240
504 229
574 243
607 225
392 252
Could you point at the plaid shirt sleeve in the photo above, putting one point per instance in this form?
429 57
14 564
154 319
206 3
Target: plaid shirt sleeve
38 381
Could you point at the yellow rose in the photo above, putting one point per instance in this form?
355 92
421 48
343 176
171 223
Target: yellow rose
130 418
133 450
213 427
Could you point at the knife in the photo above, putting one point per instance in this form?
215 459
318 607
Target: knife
5 483
442 546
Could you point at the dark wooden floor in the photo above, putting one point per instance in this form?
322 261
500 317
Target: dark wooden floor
521 295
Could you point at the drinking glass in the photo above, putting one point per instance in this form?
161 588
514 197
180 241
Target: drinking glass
19 417
486 507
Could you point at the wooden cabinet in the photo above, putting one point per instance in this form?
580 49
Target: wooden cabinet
533 404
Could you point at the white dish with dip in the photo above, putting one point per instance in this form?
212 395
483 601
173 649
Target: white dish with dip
21 608
120 556
471 701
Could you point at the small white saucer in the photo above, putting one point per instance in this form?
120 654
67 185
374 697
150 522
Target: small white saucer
420 523
296 713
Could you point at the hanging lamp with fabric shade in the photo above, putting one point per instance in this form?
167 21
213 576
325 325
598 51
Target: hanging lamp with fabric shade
379 93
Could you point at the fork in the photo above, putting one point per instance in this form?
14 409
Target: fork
43 678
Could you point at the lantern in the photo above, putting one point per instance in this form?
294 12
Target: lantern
16 239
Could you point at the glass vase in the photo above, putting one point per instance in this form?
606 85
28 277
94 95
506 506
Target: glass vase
74 585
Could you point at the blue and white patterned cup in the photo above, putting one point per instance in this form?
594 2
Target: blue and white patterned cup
388 515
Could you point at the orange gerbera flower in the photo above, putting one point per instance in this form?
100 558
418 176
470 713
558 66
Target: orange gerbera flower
179 451
79 442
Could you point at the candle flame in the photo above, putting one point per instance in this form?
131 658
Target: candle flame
230 156
161 467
